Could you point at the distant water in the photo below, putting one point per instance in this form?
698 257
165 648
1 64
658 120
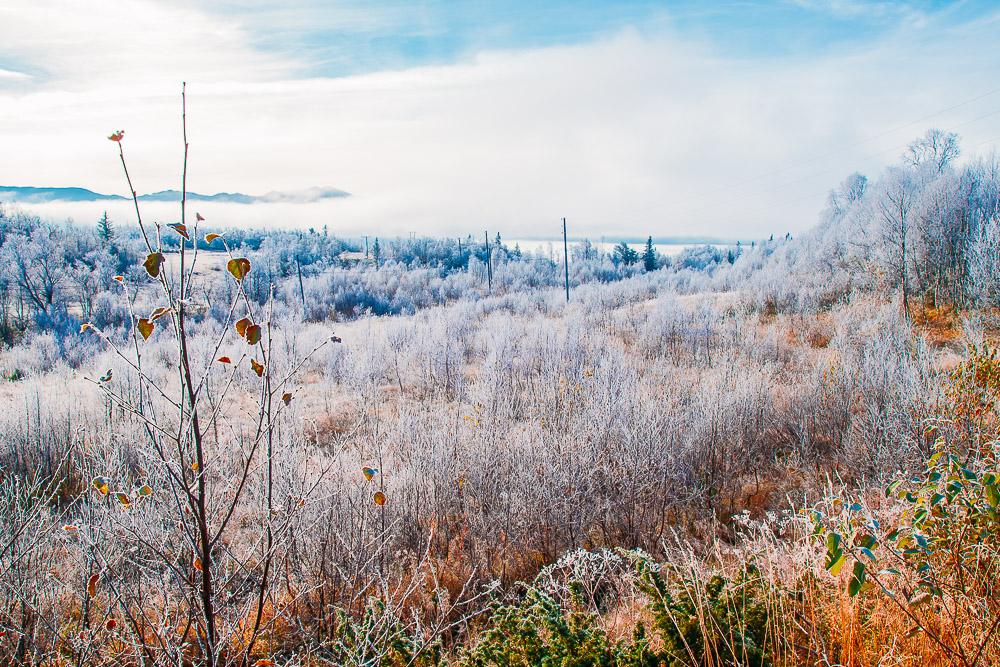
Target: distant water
553 248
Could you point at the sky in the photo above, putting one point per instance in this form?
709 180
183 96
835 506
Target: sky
729 119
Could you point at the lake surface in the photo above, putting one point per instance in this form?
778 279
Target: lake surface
553 248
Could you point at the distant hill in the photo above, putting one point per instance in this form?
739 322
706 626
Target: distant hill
32 195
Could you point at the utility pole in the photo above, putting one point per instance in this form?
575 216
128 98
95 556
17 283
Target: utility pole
489 264
566 258
302 291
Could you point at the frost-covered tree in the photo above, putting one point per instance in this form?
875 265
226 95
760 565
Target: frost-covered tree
625 255
649 255
936 148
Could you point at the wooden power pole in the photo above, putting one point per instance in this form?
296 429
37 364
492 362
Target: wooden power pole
566 258
489 264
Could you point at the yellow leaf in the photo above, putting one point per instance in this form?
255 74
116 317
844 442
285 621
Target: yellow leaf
239 267
144 490
102 484
242 325
159 312
257 367
123 498
194 466
369 473
145 328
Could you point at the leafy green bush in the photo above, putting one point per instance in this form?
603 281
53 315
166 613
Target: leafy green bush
938 559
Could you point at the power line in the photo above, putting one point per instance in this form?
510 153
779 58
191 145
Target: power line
775 187
867 140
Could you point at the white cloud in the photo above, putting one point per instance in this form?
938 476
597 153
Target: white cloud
627 133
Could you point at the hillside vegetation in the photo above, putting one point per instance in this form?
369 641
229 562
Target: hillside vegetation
253 449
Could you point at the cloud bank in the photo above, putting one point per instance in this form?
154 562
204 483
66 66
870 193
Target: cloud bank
633 132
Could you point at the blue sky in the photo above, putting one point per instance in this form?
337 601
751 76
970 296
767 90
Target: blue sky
670 118
353 37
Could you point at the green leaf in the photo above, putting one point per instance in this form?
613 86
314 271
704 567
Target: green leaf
837 565
858 576
993 495
253 334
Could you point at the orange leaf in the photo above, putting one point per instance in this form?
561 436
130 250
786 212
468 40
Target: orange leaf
111 624
152 263
145 328
239 267
211 237
180 229
286 398
197 564
379 498
224 360
71 529
102 484
117 136
124 499
263 662
257 367
92 584
241 326
85 326
120 279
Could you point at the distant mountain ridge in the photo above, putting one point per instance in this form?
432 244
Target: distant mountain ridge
33 195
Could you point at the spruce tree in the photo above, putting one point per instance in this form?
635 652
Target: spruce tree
105 229
649 256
